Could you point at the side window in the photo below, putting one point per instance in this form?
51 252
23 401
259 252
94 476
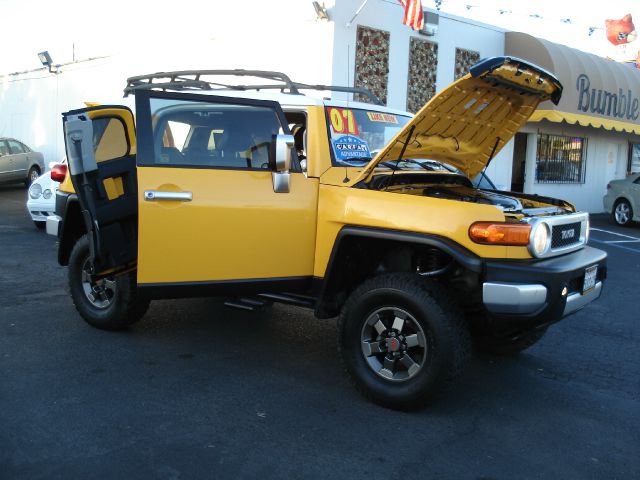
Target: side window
109 138
15 147
4 148
216 135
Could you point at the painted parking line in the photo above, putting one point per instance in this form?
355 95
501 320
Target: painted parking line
628 240
609 232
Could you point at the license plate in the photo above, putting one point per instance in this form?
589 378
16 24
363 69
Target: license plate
590 275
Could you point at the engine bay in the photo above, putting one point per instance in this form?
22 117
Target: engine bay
450 186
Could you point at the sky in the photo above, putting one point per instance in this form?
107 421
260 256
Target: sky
81 29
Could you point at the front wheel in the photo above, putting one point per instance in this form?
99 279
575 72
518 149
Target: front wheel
111 303
622 213
402 339
32 176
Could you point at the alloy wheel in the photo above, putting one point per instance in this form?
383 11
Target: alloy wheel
100 293
622 213
394 344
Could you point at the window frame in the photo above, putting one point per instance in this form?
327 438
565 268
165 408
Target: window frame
20 145
567 139
146 152
630 158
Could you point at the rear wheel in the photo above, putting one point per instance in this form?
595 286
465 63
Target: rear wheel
402 339
111 303
32 176
622 212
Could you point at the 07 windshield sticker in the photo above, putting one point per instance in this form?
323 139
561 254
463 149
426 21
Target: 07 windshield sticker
343 121
349 147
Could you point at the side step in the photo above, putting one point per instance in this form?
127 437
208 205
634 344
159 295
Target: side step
290 298
249 304
263 300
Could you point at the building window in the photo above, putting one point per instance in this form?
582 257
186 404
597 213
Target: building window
634 158
560 159
423 62
465 59
372 62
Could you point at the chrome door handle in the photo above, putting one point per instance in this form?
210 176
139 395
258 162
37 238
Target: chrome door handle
151 195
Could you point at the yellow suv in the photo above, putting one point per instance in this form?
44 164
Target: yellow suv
259 193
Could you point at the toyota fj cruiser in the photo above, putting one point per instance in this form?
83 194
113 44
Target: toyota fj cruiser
260 193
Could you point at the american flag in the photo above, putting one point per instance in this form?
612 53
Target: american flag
413 16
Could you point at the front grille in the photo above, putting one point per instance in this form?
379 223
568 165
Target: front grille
565 235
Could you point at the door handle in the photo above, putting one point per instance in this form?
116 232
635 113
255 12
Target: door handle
151 195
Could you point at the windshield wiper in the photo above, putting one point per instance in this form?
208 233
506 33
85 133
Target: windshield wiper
349 161
393 164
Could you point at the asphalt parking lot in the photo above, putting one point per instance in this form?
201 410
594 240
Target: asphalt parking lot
197 390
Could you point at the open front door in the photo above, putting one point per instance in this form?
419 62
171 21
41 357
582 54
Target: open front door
101 148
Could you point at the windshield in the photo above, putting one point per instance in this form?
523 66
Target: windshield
357 134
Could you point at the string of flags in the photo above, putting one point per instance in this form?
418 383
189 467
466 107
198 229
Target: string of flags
413 16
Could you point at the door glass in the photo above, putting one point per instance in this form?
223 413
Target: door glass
109 138
4 149
15 147
216 135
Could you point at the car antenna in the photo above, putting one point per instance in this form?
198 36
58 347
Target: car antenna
493 151
346 171
404 147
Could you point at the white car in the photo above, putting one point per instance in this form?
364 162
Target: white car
41 199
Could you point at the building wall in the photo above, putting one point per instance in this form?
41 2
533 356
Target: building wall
606 160
31 103
453 33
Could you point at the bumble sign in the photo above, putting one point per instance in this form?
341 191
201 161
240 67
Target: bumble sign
620 105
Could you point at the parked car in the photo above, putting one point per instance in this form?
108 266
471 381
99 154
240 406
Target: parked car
622 199
18 163
41 200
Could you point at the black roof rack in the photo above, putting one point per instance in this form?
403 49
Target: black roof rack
191 80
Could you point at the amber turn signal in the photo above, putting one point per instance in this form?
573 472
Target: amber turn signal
491 233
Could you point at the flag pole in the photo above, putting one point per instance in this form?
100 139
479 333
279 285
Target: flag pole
357 13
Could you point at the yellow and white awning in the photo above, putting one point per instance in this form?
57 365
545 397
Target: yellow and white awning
598 92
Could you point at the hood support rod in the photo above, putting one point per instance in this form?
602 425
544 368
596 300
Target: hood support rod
493 151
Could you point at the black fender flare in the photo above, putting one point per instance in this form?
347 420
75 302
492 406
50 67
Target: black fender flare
460 254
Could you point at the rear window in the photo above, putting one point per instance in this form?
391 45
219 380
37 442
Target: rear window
357 135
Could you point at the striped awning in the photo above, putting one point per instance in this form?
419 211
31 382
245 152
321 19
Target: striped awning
598 92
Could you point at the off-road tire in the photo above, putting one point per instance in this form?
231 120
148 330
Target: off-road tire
447 335
126 307
510 345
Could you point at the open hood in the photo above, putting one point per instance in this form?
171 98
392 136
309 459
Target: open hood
471 120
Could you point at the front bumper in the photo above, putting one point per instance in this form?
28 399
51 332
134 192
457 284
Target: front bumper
525 294
53 225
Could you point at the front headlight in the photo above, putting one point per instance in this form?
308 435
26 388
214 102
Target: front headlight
540 239
35 191
46 194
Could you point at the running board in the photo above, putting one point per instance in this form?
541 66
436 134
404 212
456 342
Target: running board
248 304
290 298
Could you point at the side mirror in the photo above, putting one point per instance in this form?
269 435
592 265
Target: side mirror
282 147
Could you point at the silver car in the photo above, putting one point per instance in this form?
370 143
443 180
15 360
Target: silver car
18 163
623 199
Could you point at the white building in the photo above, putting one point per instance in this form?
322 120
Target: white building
374 49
